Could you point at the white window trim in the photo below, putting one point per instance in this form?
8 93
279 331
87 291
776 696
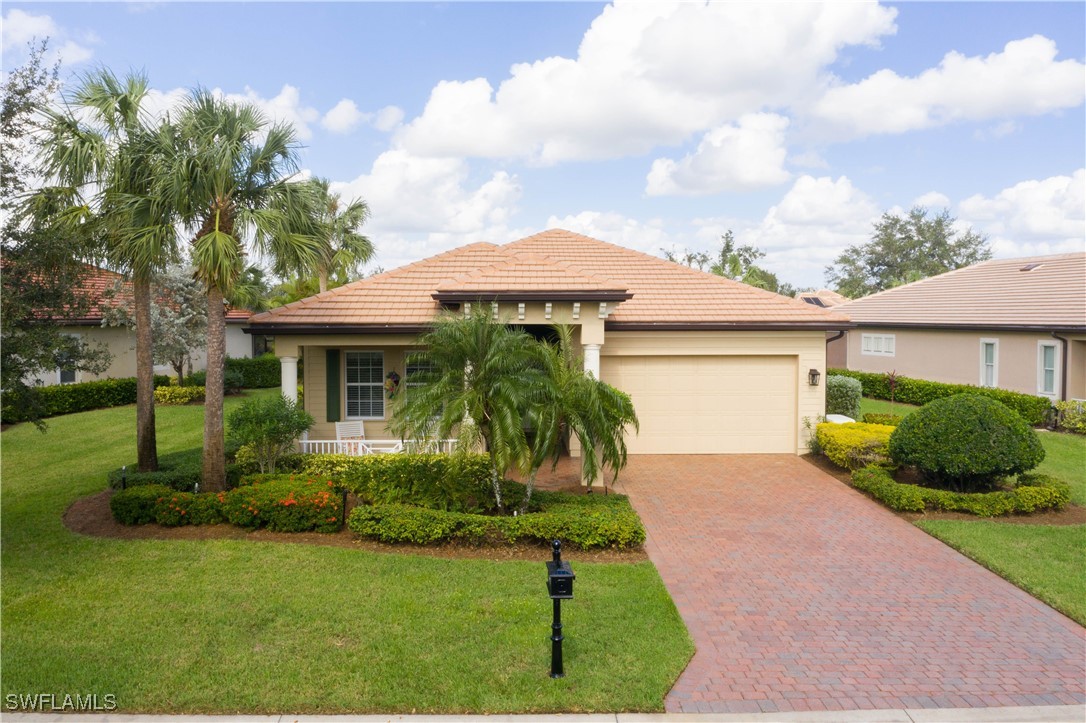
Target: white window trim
868 350
380 384
1055 393
995 361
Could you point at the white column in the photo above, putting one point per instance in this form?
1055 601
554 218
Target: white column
288 375
592 359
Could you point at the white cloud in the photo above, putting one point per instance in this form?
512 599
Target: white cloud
1024 79
645 74
999 130
387 118
808 159
343 117
616 228
18 28
933 200
286 107
1032 217
741 157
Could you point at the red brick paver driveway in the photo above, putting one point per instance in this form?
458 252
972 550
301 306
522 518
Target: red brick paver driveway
802 594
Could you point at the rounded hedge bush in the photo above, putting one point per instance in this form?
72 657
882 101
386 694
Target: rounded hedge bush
966 442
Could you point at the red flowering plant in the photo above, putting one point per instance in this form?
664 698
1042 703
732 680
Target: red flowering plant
286 504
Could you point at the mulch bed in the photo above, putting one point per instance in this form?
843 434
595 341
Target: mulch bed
91 516
1070 515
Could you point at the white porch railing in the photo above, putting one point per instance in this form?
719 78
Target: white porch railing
357 447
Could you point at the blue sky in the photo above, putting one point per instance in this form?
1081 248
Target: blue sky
653 126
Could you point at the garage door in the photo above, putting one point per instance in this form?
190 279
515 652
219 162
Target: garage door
708 404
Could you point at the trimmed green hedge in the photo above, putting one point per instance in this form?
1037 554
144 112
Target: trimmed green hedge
843 395
1072 416
855 444
136 505
1032 492
291 504
455 483
582 521
258 373
178 395
1031 408
178 470
82 397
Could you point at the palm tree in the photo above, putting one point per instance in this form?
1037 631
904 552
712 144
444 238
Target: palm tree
344 249
485 377
228 177
102 153
580 406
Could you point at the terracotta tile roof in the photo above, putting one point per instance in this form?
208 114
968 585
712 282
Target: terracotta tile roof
823 297
999 293
555 261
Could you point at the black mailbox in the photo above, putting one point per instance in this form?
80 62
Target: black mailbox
560 576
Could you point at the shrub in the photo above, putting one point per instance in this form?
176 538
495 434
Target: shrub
889 420
82 397
585 522
285 504
186 508
136 506
1031 408
1031 493
268 427
966 442
1071 416
843 396
258 373
457 482
177 470
233 381
854 445
196 379
178 395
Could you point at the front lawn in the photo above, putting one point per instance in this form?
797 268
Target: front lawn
881 406
227 626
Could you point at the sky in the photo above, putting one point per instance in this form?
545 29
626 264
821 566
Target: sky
651 125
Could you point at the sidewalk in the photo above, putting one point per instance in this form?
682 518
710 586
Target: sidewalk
1025 714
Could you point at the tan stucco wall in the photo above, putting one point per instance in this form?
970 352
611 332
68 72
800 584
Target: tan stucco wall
954 357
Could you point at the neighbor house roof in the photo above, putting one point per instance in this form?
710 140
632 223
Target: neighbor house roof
556 264
823 297
97 282
1039 292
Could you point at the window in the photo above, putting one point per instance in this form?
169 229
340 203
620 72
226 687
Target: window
1047 376
365 384
414 365
989 362
263 344
877 344
66 374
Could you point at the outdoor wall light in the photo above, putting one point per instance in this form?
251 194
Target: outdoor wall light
812 377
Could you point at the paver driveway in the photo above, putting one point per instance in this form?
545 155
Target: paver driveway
802 594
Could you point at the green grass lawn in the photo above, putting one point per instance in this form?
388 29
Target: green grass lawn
1047 561
227 626
881 406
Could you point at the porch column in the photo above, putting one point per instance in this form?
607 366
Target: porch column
288 375
592 359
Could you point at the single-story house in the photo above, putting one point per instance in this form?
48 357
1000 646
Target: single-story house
1017 324
121 341
712 365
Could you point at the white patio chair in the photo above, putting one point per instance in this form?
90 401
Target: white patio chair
352 438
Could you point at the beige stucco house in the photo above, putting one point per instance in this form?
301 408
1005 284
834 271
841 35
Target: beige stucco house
1017 324
121 342
712 365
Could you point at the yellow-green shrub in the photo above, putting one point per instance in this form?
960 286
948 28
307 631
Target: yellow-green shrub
854 445
178 395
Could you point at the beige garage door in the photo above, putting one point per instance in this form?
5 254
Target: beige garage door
708 404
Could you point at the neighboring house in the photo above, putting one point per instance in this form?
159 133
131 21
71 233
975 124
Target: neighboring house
712 365
121 341
1017 324
823 297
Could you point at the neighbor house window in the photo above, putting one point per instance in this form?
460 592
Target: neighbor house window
1047 376
877 344
365 384
263 344
66 373
989 362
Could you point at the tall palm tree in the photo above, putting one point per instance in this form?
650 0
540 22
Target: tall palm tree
484 377
580 406
102 152
344 248
229 178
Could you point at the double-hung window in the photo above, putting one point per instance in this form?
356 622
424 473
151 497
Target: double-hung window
1047 374
877 344
989 362
415 365
365 384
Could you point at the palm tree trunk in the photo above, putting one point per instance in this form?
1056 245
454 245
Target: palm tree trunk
214 467
322 280
146 444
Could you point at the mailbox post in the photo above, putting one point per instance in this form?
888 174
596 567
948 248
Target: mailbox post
560 579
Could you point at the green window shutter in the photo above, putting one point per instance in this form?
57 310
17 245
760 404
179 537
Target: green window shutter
331 364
